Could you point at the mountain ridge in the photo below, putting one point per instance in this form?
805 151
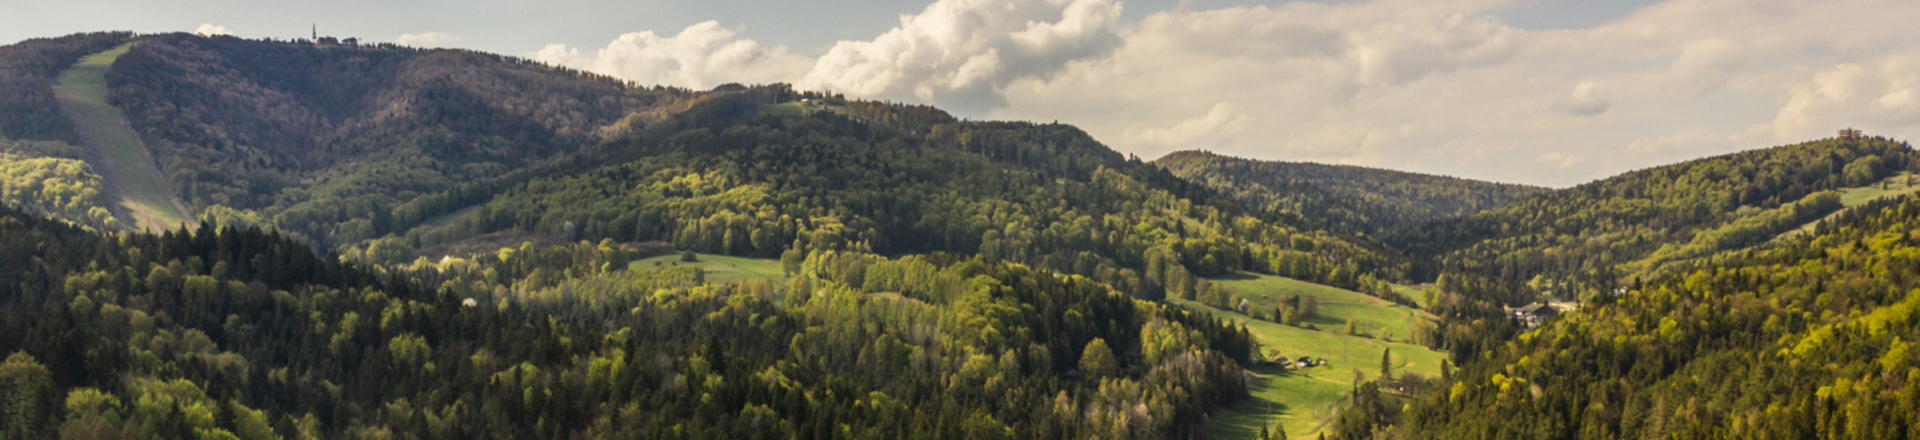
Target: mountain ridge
1376 201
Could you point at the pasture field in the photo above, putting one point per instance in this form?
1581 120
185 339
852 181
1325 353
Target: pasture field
1303 401
721 268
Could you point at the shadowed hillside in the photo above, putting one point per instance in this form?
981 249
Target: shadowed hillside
1371 200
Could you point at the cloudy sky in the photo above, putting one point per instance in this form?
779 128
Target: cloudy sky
1549 92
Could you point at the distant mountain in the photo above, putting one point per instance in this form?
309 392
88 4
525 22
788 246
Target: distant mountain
1596 237
1371 200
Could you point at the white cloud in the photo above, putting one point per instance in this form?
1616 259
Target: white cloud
962 54
1585 101
426 39
210 29
1878 95
1441 86
1220 121
1427 85
701 56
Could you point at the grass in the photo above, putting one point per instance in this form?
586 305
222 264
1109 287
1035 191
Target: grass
1897 185
136 188
721 268
1418 293
1303 401
1373 316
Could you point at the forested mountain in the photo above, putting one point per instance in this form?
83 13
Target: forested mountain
1371 200
42 169
1809 339
1597 237
325 139
730 175
378 150
28 70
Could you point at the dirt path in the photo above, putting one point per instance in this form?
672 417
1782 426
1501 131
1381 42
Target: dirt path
137 192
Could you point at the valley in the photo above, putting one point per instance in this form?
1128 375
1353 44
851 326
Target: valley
208 236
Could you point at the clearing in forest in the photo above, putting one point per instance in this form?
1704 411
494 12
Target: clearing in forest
1303 401
722 269
1895 186
136 190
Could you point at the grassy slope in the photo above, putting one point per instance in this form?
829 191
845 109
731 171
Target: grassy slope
721 268
136 188
1303 401
1897 185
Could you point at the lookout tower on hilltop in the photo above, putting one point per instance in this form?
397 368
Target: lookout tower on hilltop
1848 134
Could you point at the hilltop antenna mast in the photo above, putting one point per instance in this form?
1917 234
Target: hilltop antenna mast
316 32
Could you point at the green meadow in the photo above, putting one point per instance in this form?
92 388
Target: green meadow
136 186
1304 401
721 268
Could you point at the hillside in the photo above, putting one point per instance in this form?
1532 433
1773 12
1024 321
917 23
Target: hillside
136 190
1575 243
238 334
43 168
1370 200
376 151
388 242
324 139
1805 340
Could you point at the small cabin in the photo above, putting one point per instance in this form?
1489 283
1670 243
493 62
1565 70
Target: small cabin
1534 314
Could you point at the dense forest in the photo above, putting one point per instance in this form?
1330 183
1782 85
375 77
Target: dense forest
1573 243
1809 339
238 334
1371 200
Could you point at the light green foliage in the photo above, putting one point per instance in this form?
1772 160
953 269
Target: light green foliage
1097 361
1752 227
1578 238
26 391
55 186
1813 331
1331 307
409 349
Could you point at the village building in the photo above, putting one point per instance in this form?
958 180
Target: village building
1533 314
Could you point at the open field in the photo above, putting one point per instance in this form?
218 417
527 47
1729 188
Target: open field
1372 316
136 189
1303 401
1897 185
721 268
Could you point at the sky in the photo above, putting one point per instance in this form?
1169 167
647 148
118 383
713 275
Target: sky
1545 92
